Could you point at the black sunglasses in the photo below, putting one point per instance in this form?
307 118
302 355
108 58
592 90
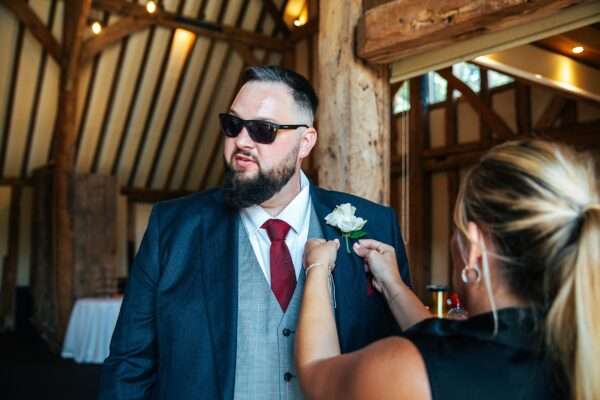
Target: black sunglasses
259 131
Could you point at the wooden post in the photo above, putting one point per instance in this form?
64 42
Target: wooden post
354 121
66 125
451 126
523 108
9 272
485 132
419 249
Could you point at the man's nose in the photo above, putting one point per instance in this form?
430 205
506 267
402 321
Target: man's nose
243 139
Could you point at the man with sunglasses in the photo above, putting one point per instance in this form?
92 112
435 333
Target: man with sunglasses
214 293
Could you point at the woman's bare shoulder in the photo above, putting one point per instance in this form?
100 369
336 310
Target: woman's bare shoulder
390 368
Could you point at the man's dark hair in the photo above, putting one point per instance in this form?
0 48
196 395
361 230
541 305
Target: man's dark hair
302 91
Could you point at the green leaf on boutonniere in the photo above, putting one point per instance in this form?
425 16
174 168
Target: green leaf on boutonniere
352 236
357 234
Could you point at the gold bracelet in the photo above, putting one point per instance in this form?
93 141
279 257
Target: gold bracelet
330 279
311 266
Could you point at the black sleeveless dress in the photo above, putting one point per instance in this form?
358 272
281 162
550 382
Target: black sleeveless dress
464 361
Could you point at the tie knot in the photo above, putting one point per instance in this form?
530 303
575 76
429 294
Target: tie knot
276 229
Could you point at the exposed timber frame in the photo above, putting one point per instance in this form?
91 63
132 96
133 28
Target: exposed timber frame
74 22
402 28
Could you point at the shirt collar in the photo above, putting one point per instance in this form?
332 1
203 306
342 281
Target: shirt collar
294 213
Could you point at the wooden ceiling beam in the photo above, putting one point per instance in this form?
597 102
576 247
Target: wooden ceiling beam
12 92
200 135
191 108
166 127
34 24
15 181
489 116
246 53
89 93
158 85
125 131
584 135
277 16
204 28
35 106
110 102
551 112
402 28
110 35
189 116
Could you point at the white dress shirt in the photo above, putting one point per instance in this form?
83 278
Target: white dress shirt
296 214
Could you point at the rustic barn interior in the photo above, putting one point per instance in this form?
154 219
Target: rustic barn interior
109 106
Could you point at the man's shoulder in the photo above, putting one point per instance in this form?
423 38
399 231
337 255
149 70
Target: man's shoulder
200 202
333 198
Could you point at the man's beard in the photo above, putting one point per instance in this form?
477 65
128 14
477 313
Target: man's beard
242 193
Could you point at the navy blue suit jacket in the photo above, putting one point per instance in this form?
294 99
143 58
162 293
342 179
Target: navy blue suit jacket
176 333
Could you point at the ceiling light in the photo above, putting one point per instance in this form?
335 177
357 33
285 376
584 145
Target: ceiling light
96 27
151 7
577 49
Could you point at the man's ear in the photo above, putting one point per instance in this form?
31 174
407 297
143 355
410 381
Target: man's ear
476 238
307 142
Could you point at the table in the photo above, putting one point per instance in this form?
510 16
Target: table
90 329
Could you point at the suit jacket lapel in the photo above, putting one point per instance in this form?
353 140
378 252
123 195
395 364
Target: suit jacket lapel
220 280
349 270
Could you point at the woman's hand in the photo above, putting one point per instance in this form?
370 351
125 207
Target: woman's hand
380 260
321 251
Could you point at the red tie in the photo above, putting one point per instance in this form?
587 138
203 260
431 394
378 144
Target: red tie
283 276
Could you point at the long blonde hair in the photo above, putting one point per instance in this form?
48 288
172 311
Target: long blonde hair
540 203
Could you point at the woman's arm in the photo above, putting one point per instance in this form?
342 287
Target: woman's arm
316 309
391 368
380 260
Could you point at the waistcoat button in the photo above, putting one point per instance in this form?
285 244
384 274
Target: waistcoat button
287 376
286 332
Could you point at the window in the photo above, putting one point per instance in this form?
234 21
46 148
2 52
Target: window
496 79
436 89
437 86
469 74
401 99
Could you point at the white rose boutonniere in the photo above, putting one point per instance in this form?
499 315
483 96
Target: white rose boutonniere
343 218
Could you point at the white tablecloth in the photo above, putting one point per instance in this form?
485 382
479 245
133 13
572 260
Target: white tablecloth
90 329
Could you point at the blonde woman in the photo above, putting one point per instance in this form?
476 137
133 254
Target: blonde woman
527 264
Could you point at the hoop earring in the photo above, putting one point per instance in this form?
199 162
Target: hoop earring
467 272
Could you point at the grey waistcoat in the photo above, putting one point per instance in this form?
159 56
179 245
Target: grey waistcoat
265 335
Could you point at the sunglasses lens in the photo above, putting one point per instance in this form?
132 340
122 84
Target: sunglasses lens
261 132
230 125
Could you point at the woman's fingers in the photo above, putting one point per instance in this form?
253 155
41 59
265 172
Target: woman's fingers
321 251
361 251
315 241
376 245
